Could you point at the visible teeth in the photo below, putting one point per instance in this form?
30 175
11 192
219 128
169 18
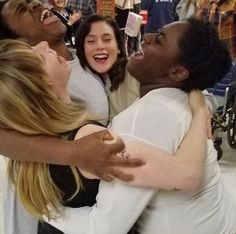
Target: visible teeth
45 14
100 56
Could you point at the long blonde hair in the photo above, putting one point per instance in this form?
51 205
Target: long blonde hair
28 105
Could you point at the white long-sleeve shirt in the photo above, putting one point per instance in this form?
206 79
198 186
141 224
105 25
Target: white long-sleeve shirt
160 118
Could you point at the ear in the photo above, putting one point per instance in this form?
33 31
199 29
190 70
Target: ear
178 73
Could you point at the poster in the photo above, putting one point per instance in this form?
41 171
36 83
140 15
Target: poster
106 7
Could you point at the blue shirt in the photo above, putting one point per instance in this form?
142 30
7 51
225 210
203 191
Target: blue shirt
160 13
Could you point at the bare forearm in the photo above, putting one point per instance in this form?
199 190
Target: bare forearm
89 153
34 148
193 150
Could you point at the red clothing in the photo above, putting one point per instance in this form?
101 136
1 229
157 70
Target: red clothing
223 15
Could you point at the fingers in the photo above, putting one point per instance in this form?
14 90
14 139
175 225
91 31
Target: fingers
125 162
104 135
118 174
106 177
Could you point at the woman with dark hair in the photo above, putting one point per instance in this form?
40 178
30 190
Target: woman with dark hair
100 48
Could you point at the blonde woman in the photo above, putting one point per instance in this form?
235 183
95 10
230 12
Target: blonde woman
34 85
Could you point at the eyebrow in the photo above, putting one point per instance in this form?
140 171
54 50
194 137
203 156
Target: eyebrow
105 34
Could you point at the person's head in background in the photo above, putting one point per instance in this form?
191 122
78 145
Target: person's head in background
185 54
30 86
58 4
100 47
31 21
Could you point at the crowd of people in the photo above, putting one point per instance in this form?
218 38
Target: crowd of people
99 142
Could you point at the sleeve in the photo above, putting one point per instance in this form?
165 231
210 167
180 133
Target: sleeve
179 7
117 209
118 206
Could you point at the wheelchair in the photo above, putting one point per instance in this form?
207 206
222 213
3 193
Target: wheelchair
224 120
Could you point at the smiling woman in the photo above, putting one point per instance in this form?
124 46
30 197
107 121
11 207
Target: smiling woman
100 48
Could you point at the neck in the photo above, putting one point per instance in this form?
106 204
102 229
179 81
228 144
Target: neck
65 98
144 89
63 95
59 9
62 50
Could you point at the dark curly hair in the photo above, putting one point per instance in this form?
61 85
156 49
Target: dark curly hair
117 72
204 55
5 31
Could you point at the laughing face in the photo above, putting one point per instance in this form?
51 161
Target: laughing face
160 55
32 21
100 46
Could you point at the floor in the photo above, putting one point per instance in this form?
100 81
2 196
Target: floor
227 164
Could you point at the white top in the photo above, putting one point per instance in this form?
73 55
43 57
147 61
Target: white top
160 118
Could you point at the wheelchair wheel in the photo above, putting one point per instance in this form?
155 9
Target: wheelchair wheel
231 129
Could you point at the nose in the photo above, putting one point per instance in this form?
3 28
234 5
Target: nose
100 44
33 5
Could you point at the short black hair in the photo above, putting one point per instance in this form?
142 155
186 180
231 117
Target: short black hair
5 31
117 72
204 55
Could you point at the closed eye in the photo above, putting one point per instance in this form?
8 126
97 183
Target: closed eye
21 8
107 39
160 38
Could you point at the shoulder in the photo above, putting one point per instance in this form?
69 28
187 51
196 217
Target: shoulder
124 95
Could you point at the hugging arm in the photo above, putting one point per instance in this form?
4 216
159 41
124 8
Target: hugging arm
79 153
182 171
119 205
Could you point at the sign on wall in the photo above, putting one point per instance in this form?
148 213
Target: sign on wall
106 7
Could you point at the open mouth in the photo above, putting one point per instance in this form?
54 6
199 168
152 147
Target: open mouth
47 17
45 14
101 58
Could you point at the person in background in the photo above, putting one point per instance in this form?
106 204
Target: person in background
68 18
87 7
167 70
222 14
40 184
159 13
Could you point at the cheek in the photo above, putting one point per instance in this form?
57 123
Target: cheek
113 53
88 50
